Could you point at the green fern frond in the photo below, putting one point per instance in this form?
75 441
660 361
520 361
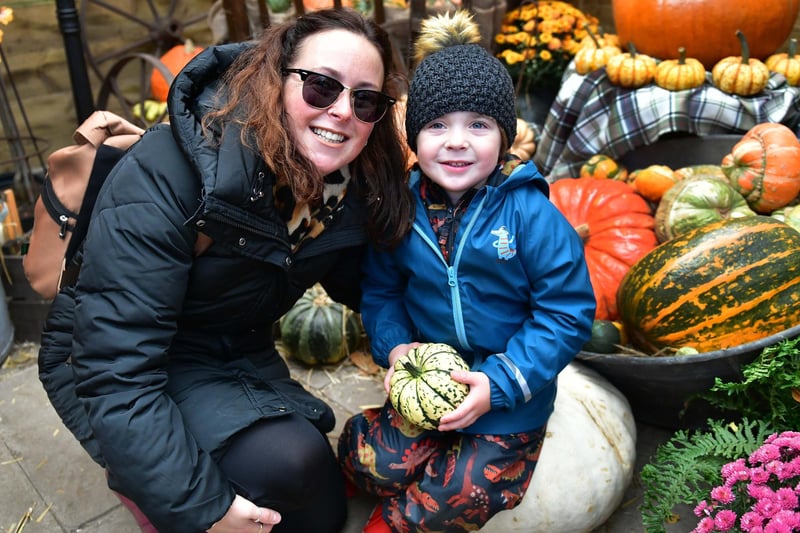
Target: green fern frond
767 388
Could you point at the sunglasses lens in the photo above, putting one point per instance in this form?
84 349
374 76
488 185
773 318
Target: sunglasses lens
369 106
321 91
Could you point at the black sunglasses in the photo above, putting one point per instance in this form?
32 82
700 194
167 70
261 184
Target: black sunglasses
321 91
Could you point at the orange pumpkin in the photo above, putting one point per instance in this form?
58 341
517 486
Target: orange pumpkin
706 28
741 75
524 145
591 58
786 63
653 181
680 74
594 54
315 5
602 167
631 69
617 228
174 59
600 39
764 167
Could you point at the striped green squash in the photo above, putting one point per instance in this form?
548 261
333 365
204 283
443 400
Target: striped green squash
421 388
717 286
317 330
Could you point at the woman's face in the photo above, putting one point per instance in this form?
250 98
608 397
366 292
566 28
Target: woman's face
332 138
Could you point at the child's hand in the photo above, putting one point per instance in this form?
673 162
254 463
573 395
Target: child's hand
397 352
477 403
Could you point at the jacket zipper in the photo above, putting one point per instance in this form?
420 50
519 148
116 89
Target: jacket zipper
452 273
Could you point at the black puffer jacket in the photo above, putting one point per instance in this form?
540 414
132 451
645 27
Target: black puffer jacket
149 324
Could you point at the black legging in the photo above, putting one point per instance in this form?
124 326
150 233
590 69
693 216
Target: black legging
287 465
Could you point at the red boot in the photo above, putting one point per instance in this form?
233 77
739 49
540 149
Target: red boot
376 524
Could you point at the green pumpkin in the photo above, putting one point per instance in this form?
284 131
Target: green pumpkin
421 388
695 202
605 337
317 330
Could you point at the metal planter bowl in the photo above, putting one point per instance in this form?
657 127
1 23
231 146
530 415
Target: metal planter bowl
661 389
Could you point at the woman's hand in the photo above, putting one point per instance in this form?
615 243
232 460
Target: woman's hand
397 352
244 516
477 403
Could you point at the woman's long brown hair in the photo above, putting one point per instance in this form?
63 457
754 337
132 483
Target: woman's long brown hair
253 98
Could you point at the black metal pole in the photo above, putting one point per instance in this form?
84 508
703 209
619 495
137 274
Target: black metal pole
70 28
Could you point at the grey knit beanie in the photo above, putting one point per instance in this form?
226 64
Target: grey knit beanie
463 77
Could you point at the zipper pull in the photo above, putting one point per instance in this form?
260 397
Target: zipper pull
258 188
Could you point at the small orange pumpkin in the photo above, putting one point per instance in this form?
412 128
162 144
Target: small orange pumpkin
600 39
764 167
631 69
653 181
524 145
740 75
680 74
786 63
174 59
594 56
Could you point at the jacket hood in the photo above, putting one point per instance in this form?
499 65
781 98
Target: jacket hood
191 96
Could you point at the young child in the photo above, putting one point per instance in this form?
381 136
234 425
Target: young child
490 267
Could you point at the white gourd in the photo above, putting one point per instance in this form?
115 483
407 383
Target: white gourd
586 464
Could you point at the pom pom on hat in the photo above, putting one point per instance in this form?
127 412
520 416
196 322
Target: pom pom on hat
455 73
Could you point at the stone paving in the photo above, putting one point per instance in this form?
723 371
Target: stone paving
48 484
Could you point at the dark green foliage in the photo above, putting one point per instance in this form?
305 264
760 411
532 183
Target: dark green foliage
767 389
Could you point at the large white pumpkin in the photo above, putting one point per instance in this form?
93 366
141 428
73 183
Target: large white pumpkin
586 464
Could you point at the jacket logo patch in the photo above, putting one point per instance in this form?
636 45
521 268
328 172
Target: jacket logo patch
506 248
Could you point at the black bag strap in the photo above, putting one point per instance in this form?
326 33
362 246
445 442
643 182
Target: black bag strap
104 160
57 210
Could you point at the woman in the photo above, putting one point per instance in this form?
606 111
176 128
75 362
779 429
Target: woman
275 169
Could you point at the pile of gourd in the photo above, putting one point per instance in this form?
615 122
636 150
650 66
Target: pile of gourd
678 58
695 259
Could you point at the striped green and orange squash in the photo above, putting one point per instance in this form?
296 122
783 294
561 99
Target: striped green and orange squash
717 286
317 330
421 388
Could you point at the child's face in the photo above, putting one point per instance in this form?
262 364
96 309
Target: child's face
459 151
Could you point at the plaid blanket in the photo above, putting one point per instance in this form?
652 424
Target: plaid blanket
591 116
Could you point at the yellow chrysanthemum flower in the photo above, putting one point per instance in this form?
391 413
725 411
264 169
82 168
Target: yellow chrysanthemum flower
538 40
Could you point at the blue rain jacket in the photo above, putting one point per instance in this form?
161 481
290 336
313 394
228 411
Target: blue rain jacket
515 300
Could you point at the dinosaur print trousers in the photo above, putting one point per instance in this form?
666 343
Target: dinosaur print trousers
433 481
